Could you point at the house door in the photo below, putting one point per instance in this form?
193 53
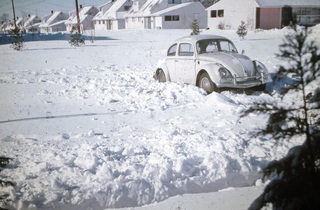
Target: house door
109 24
147 22
286 16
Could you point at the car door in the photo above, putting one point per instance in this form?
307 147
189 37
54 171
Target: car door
171 62
185 63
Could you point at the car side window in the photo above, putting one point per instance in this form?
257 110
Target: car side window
172 50
186 49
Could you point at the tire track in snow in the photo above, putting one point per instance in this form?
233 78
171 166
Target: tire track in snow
63 116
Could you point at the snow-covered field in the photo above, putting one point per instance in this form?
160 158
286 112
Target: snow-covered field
89 128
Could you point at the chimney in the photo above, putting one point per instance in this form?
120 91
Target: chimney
51 11
80 6
28 15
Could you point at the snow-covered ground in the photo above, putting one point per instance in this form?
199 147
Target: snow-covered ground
89 128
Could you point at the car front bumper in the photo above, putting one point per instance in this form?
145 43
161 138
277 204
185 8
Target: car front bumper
244 82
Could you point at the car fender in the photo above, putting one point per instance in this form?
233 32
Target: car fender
213 71
162 65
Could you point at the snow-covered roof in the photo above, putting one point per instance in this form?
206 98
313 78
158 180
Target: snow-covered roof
31 20
173 8
268 3
103 9
54 18
103 5
148 8
199 37
111 13
3 25
58 23
83 13
19 21
282 3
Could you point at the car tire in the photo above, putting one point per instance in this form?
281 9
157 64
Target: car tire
259 88
161 76
206 83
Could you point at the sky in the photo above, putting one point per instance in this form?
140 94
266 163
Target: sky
43 7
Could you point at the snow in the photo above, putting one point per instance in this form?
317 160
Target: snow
89 128
282 3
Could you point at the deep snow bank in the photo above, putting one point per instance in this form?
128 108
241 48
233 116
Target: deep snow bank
150 141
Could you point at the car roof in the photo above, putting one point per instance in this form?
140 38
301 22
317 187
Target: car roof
199 37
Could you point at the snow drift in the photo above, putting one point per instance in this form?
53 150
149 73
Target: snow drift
88 127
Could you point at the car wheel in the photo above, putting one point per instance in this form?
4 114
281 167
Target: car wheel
206 83
161 76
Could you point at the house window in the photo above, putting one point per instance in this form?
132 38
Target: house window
174 1
217 13
213 13
221 13
171 18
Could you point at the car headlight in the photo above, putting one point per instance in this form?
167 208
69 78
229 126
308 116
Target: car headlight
224 73
261 69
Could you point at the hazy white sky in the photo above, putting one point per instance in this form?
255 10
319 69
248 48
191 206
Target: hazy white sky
43 7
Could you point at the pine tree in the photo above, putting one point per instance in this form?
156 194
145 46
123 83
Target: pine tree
16 38
195 27
295 180
76 38
242 30
4 196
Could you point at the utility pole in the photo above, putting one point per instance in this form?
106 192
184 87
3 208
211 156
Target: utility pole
14 14
78 19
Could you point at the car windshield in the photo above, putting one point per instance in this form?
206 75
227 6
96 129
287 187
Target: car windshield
215 45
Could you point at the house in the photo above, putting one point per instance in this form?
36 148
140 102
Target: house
264 14
165 14
86 15
53 22
98 21
20 22
32 23
111 15
3 27
140 15
180 16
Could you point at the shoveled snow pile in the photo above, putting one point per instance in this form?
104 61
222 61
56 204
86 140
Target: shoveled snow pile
89 128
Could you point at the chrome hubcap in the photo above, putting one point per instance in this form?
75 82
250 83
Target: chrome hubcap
205 84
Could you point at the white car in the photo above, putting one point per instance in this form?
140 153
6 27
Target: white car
210 62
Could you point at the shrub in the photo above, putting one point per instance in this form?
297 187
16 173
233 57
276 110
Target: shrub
16 38
76 38
242 30
195 27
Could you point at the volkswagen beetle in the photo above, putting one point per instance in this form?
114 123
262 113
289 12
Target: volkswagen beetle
210 62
